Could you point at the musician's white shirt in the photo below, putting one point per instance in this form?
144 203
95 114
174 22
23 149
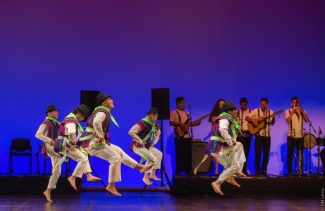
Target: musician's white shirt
241 119
254 114
175 118
297 125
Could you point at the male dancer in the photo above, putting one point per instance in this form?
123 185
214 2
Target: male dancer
225 149
48 133
145 135
95 142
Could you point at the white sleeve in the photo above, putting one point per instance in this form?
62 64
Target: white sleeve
42 134
70 131
156 136
97 122
223 128
133 133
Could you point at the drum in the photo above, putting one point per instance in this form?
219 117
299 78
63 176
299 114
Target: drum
309 141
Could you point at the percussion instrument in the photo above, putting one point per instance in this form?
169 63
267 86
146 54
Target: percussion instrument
309 141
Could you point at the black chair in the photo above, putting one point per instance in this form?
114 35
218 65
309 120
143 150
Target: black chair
20 147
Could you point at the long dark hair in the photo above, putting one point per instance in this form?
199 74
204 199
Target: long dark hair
216 110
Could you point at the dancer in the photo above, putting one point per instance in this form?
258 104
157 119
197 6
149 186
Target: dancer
145 134
225 149
95 142
48 133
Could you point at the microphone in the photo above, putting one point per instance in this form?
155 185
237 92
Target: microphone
189 105
320 131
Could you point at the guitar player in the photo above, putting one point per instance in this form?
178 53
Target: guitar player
262 137
178 118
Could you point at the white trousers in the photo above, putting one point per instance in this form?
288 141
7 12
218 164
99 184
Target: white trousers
152 155
236 164
73 153
115 156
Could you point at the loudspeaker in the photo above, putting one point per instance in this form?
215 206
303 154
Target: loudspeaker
87 97
198 152
160 100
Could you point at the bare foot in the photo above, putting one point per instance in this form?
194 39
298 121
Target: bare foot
47 194
145 168
240 174
113 190
93 179
216 187
232 181
146 180
154 177
72 183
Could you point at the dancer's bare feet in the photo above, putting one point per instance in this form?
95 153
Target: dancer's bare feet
232 181
144 168
72 181
111 188
146 181
216 185
154 177
91 178
47 194
240 174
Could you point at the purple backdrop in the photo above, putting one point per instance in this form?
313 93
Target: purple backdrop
202 50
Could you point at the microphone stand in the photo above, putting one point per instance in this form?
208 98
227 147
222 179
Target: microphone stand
318 150
191 126
310 127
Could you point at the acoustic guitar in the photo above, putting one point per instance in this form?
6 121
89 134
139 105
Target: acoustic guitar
261 123
180 132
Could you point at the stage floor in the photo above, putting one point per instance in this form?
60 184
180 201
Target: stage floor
131 200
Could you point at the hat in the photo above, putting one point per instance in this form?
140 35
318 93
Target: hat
153 110
51 108
228 105
101 97
84 110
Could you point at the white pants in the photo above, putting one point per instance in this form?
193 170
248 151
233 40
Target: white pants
115 156
236 164
73 153
152 155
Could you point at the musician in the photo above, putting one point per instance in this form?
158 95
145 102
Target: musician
245 137
181 118
262 137
295 139
215 112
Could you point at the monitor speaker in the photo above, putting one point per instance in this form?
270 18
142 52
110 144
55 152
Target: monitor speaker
198 152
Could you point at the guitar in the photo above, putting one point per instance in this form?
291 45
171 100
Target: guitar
261 123
180 132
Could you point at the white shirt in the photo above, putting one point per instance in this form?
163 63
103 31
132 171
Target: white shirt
97 123
70 131
241 119
223 128
136 129
175 118
297 125
42 134
254 114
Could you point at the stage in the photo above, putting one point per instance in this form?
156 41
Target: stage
310 187
35 185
